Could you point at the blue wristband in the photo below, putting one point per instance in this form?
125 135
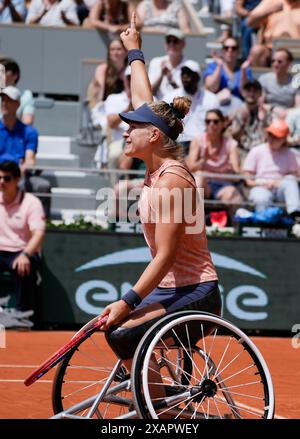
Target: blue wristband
135 55
132 299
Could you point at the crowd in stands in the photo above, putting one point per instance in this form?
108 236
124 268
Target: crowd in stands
231 119
231 111
105 15
242 135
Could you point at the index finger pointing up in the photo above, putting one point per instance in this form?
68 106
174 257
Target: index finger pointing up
133 21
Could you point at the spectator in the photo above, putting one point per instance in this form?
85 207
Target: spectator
22 232
161 15
109 16
216 153
108 79
202 101
83 8
165 71
243 9
279 91
226 8
115 104
223 75
52 13
250 121
275 169
276 19
12 11
12 76
20 141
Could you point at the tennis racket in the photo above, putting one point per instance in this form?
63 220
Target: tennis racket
87 330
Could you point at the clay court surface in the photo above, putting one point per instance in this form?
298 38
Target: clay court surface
26 350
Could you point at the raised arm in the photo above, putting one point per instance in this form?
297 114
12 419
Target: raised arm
262 11
141 91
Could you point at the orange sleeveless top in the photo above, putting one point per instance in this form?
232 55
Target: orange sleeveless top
193 262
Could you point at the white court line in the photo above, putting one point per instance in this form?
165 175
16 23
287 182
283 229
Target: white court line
22 381
79 382
42 381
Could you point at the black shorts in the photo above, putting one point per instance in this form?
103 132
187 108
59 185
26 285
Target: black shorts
201 297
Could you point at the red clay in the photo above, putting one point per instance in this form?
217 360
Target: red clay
30 349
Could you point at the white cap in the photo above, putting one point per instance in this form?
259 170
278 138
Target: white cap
192 65
177 33
127 71
12 92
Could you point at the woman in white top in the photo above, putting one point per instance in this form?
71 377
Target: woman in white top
162 15
52 13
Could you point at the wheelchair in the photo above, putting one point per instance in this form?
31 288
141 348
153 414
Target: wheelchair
188 365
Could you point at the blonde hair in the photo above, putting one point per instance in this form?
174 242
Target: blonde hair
172 114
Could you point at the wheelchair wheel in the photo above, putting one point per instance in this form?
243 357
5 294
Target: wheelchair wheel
82 375
194 365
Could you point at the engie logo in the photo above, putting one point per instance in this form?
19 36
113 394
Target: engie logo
237 300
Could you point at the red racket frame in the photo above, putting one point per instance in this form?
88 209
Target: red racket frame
87 330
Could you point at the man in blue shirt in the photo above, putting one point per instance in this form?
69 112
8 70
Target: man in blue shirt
20 142
225 73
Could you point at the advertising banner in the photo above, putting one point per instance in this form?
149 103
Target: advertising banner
83 272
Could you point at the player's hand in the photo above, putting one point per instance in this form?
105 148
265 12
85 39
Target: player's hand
131 38
116 312
22 265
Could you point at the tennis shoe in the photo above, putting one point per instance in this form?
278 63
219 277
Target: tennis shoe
9 321
19 314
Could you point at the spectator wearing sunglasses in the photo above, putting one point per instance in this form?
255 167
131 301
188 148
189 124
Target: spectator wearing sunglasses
216 153
165 71
279 91
224 75
202 101
22 232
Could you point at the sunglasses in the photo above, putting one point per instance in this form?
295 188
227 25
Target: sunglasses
214 121
6 178
172 40
233 48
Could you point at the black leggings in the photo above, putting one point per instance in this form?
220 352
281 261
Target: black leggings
124 341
